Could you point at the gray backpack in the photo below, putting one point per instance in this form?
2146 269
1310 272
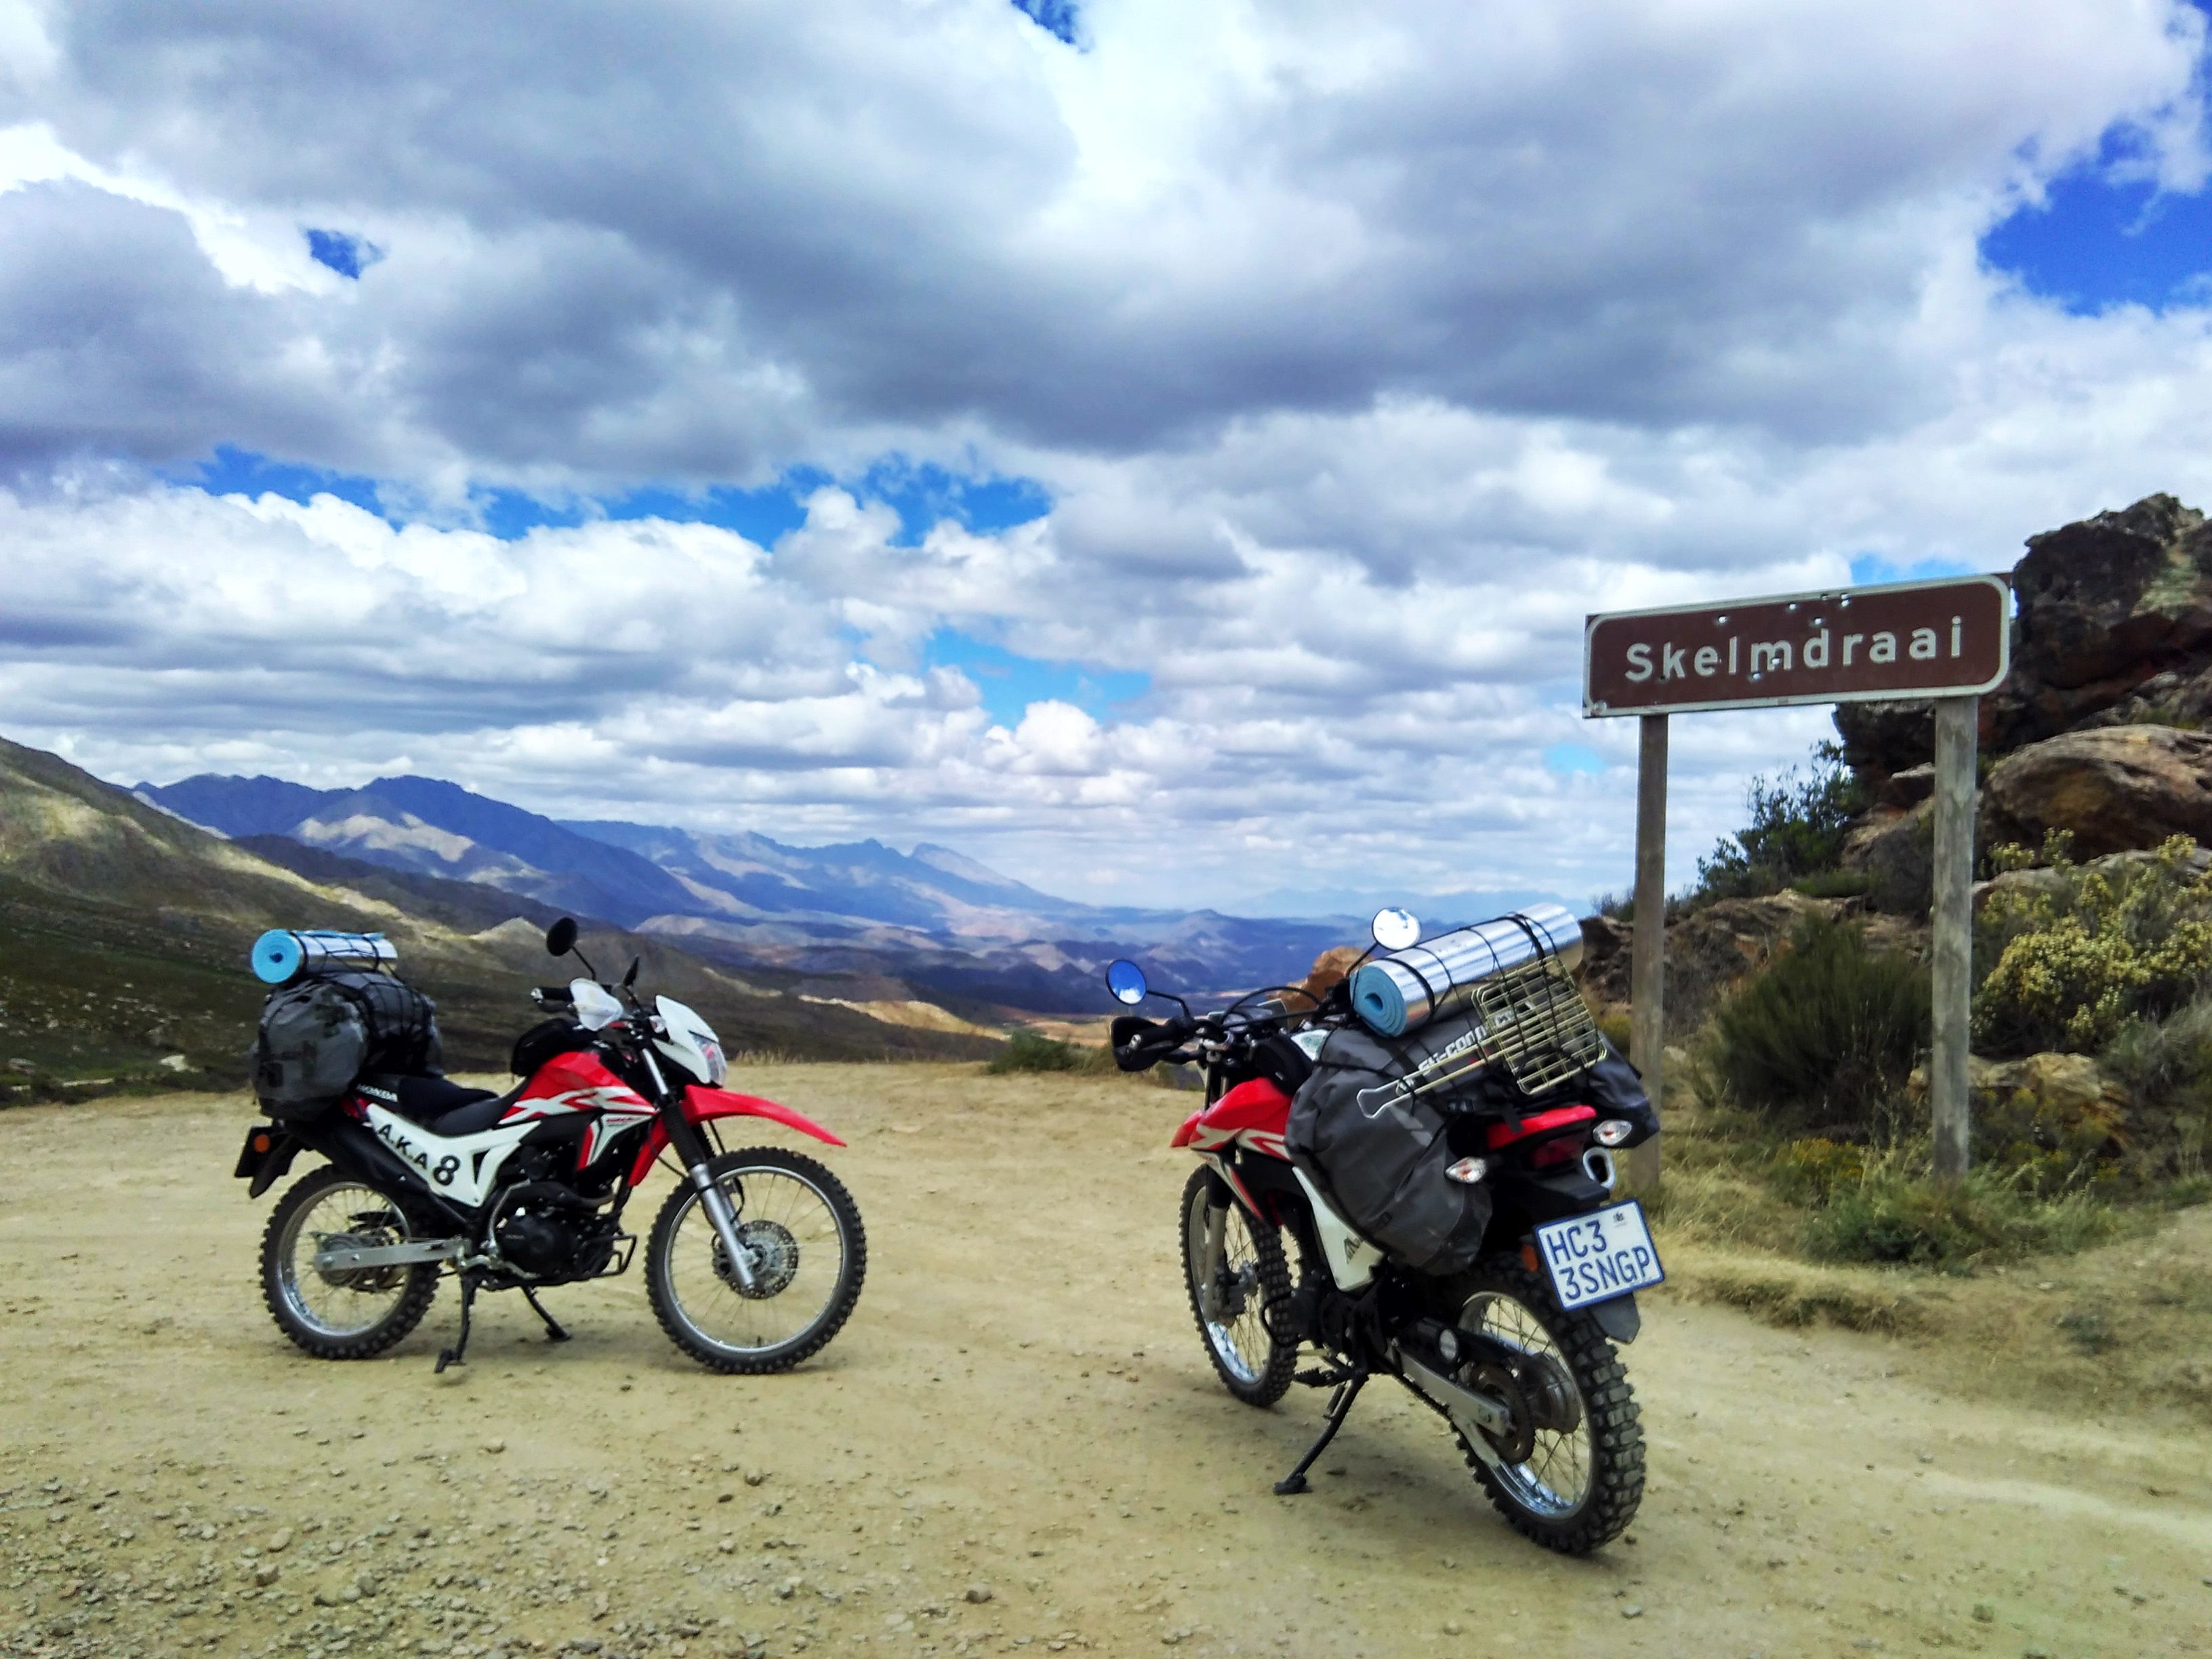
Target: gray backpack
321 1032
1382 1160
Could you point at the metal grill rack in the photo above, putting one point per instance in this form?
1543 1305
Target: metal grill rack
1537 1025
1532 1021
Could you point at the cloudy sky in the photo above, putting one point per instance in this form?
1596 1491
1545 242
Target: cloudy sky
1164 450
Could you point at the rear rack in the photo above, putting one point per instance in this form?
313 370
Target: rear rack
1536 1023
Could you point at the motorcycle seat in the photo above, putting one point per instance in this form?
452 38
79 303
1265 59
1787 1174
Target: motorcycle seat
440 1105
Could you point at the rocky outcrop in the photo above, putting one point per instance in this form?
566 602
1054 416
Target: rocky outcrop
1709 951
2113 789
2115 624
1895 851
2044 1106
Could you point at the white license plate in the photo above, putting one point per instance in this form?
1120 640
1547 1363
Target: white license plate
1596 1257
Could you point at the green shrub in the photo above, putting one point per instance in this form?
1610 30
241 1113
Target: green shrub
2075 957
1893 1216
1827 1035
1811 1171
1026 1051
1798 830
2167 1066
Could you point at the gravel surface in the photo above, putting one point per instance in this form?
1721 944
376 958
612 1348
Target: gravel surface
1017 1444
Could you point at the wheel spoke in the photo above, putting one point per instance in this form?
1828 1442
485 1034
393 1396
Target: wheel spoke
800 1251
346 1301
1554 1479
1248 1357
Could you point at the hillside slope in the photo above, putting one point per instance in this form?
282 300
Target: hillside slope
123 934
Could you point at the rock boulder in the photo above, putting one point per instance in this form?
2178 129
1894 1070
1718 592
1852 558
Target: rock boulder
1896 852
1709 951
2115 789
2108 606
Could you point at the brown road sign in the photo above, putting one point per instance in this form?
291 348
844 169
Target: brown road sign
1943 639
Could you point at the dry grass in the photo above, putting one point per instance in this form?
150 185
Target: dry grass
2115 1327
1794 1294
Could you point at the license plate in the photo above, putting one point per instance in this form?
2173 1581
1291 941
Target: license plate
1596 1257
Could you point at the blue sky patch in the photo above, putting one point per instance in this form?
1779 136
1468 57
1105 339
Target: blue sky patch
1009 684
242 472
922 494
2102 239
1568 758
1868 569
759 515
1056 17
348 255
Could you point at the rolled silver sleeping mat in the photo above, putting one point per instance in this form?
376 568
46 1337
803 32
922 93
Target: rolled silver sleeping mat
1396 993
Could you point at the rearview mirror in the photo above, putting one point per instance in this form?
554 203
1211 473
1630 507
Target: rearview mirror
630 978
1126 981
561 937
1395 929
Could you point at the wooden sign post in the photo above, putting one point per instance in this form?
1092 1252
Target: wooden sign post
1947 640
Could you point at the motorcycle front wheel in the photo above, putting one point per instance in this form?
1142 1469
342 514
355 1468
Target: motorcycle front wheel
341 1313
809 1255
1570 1474
1230 1307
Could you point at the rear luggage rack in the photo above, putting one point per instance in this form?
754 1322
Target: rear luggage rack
1537 1025
1529 1020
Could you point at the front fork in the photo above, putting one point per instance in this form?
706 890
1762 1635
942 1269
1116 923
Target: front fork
1213 1250
691 1147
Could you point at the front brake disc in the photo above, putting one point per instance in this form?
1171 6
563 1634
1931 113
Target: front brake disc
775 1260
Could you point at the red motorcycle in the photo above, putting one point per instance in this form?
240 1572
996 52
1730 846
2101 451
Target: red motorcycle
753 1263
1516 1352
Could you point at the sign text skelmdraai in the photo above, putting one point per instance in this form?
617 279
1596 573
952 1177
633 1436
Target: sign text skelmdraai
1903 640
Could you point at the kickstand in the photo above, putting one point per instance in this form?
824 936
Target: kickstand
456 1354
554 1331
1339 1407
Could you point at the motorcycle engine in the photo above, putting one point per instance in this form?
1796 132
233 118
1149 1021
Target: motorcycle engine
545 1231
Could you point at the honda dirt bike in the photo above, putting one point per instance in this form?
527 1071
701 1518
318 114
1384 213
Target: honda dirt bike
755 1260
1532 1387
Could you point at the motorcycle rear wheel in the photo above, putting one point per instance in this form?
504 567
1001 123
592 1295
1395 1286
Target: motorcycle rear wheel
1251 1361
1573 1486
352 1313
805 1229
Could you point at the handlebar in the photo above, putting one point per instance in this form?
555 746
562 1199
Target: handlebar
552 996
1138 1044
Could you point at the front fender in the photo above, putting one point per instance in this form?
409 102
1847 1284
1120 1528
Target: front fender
702 1104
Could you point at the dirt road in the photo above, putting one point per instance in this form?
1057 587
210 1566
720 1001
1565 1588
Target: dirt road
1016 1444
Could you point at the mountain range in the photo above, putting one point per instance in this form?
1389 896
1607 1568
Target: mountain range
124 930
949 929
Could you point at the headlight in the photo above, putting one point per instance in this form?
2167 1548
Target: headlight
1613 1131
718 1069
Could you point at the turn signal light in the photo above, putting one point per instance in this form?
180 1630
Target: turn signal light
1613 1131
1469 1170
